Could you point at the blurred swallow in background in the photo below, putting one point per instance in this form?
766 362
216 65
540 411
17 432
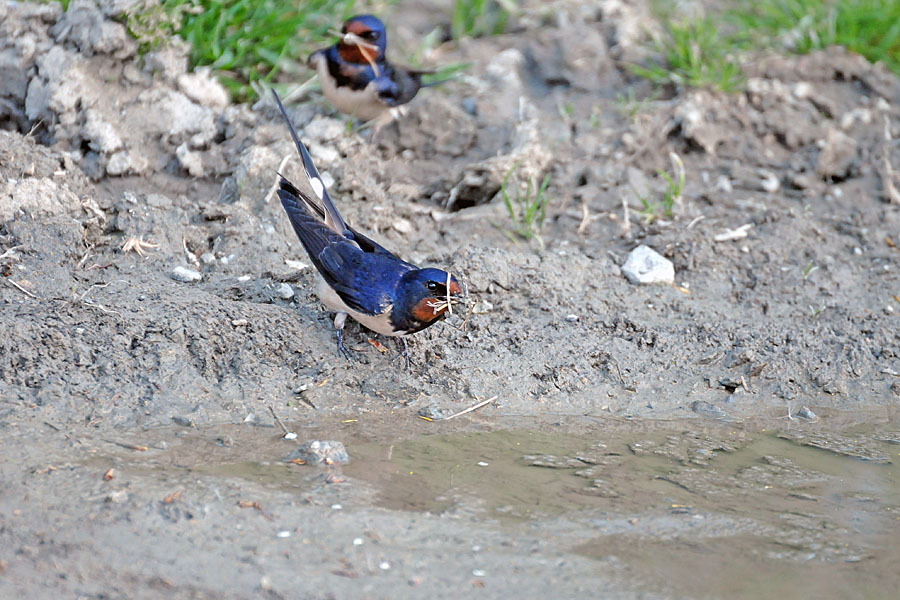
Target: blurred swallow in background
357 78
359 277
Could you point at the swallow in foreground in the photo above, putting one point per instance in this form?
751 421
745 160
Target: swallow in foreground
360 278
357 78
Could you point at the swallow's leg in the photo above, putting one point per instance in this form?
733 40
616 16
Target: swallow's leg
405 353
339 320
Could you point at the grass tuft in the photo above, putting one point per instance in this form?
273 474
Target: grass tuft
651 210
868 27
477 18
245 41
695 55
527 210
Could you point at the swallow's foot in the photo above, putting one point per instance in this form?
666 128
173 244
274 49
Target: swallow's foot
342 347
404 353
339 320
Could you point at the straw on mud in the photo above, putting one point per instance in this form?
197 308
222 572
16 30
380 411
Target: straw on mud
11 252
297 91
139 245
695 221
128 446
277 420
20 288
471 408
585 217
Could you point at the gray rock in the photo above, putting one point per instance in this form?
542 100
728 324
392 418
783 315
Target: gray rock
185 275
838 155
101 134
85 26
201 87
433 412
285 292
708 409
806 413
645 266
318 452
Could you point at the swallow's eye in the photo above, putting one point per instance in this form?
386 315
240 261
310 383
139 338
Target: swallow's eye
370 35
432 286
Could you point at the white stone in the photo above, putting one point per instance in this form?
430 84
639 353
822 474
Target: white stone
201 87
185 275
645 265
285 292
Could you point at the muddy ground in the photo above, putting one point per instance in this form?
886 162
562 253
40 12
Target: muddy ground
645 441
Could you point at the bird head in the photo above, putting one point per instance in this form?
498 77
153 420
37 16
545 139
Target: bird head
363 40
426 295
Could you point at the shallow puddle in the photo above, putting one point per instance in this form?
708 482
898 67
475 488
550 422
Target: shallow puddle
709 514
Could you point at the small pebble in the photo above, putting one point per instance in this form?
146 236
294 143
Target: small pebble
336 507
481 463
117 497
433 412
244 278
707 409
806 413
284 534
482 307
402 225
207 258
385 566
290 435
645 266
285 292
296 264
769 181
315 452
479 573
357 541
185 275
572 318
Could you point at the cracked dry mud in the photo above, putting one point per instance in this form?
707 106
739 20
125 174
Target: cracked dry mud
648 436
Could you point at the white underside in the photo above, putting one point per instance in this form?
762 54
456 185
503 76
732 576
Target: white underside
363 104
379 323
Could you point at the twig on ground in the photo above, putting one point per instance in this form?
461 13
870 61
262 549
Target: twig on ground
21 289
128 446
729 235
288 435
471 408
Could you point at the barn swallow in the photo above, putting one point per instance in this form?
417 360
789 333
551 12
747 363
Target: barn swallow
357 78
359 277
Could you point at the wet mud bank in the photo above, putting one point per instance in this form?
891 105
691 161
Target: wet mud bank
742 419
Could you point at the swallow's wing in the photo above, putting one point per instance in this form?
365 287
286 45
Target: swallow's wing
358 275
397 85
332 216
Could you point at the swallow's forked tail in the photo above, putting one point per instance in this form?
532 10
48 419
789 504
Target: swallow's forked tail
332 217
